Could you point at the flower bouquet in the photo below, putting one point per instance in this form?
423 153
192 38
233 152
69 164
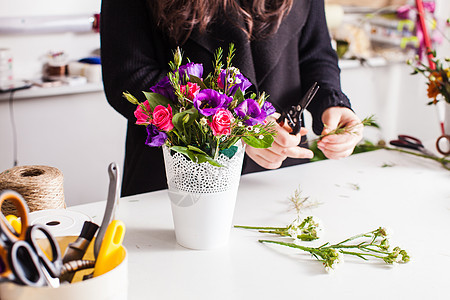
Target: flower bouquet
199 120
438 78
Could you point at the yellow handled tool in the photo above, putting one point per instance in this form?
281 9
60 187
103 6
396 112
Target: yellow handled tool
15 223
111 252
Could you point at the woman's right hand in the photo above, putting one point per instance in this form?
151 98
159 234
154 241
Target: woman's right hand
285 145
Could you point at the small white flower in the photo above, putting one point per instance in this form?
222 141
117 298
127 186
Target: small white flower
386 232
249 128
240 124
235 70
237 81
257 130
203 121
230 80
261 137
293 232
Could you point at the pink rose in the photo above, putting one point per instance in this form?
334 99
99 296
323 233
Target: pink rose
162 117
221 122
143 117
190 90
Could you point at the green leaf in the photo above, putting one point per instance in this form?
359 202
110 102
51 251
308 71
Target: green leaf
206 158
193 148
185 119
230 152
155 99
238 96
255 142
185 151
195 79
197 156
208 80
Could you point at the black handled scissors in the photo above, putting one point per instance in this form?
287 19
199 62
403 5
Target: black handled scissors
21 258
406 141
294 114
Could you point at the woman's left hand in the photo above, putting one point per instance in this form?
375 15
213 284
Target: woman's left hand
338 146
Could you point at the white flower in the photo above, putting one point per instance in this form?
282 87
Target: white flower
257 130
234 70
203 121
249 128
386 232
293 232
240 124
237 81
261 137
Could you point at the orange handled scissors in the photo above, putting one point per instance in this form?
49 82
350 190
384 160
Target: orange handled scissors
21 258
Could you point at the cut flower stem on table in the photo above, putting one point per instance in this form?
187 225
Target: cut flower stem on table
371 245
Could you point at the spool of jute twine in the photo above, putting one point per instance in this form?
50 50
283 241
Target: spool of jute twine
40 186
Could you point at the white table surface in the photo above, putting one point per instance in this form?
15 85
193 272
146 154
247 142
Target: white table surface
412 198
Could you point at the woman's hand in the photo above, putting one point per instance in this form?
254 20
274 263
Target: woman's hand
340 145
284 145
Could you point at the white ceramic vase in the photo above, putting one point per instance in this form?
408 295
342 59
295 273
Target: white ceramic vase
203 198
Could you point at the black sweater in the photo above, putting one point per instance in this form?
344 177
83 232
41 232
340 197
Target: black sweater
135 56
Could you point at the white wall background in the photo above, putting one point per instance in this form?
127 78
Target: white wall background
81 134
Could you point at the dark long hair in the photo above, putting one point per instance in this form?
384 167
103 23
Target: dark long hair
177 18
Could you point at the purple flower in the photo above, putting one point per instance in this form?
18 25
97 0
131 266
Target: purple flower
239 82
190 69
268 108
207 102
163 87
155 138
250 112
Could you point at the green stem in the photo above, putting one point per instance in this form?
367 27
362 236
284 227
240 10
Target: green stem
362 248
354 238
291 245
361 255
443 161
260 228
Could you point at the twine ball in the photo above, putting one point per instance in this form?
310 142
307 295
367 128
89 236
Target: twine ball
40 186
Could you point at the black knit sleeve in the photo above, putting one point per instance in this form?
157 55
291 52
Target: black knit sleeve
319 62
133 53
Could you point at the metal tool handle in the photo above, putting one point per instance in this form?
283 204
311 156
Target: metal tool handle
112 202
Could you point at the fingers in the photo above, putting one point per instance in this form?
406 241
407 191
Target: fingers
271 160
285 145
338 146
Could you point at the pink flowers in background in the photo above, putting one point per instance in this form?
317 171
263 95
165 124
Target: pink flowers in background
203 116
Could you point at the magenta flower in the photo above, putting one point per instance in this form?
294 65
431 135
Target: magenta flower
163 87
142 116
268 108
208 101
221 122
190 69
162 117
155 138
250 112
239 81
190 90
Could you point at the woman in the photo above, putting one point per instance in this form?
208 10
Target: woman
282 47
